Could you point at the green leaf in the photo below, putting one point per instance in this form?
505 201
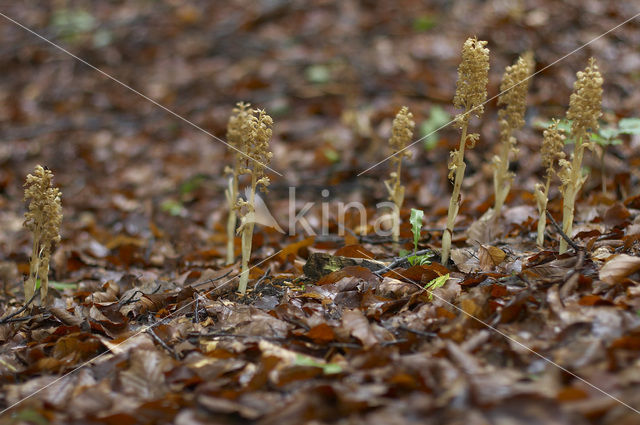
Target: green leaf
437 118
172 207
332 155
318 74
629 126
424 23
191 184
70 23
608 132
61 286
420 260
416 225
30 416
327 368
438 282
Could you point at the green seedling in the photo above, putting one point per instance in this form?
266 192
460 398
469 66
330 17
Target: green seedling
436 283
416 225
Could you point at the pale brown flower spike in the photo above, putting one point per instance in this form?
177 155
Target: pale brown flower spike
239 116
43 219
551 152
471 92
401 135
256 133
513 97
585 108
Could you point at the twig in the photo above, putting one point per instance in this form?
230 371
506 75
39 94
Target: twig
136 292
213 279
262 278
573 245
162 343
20 310
238 336
418 332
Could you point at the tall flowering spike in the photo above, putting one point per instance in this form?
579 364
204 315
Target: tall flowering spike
473 77
514 89
43 219
585 105
471 92
513 97
401 135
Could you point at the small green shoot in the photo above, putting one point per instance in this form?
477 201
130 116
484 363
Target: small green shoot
327 368
332 155
416 225
428 128
173 207
438 282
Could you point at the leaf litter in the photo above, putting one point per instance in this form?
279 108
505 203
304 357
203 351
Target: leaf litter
328 332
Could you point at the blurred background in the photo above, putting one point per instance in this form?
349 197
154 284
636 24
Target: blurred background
332 74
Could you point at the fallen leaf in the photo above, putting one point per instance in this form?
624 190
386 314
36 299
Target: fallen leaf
618 268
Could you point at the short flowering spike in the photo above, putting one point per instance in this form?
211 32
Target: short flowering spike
551 152
585 108
43 219
255 133
471 92
401 135
235 138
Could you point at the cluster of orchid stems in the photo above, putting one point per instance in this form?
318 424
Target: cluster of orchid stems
401 135
43 218
552 145
585 108
471 92
249 132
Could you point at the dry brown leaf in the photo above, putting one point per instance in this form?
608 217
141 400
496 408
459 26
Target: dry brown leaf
490 257
618 268
359 327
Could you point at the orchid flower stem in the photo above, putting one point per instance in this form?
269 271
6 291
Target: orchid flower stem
454 203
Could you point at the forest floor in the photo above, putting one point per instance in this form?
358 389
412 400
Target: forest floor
145 325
